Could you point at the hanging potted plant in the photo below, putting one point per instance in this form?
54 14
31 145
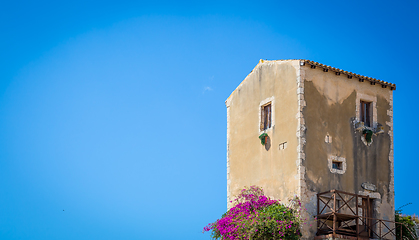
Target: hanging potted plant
263 138
367 135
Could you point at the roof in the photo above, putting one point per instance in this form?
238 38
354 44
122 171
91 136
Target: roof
326 68
338 71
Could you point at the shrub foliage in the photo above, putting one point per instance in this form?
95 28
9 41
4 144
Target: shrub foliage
256 216
407 230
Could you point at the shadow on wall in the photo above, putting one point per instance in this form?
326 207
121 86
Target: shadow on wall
267 143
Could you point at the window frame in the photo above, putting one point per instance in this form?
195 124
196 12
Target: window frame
332 159
365 114
266 111
372 100
266 102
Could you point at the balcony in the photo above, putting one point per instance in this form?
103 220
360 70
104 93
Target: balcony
346 215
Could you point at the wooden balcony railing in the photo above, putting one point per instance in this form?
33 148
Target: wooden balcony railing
348 214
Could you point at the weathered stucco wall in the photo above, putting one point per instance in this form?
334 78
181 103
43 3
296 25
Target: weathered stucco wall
330 114
248 162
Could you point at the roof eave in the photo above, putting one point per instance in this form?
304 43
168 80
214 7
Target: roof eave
361 78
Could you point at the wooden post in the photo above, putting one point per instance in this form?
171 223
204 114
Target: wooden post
334 214
380 230
318 212
401 232
357 216
368 214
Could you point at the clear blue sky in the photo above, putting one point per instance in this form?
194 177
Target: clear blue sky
114 111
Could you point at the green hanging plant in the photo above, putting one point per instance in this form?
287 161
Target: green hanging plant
368 135
262 138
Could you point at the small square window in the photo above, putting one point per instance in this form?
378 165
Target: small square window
337 165
266 113
365 115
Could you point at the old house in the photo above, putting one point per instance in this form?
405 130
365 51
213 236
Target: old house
329 141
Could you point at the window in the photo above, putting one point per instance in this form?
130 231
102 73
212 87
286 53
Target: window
266 114
337 165
365 113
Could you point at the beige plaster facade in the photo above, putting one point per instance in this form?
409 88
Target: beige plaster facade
315 124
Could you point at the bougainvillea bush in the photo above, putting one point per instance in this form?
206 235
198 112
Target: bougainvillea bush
256 216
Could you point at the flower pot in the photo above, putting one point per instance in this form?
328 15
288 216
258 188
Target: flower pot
263 138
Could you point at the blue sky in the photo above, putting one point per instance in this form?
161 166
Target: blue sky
114 111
